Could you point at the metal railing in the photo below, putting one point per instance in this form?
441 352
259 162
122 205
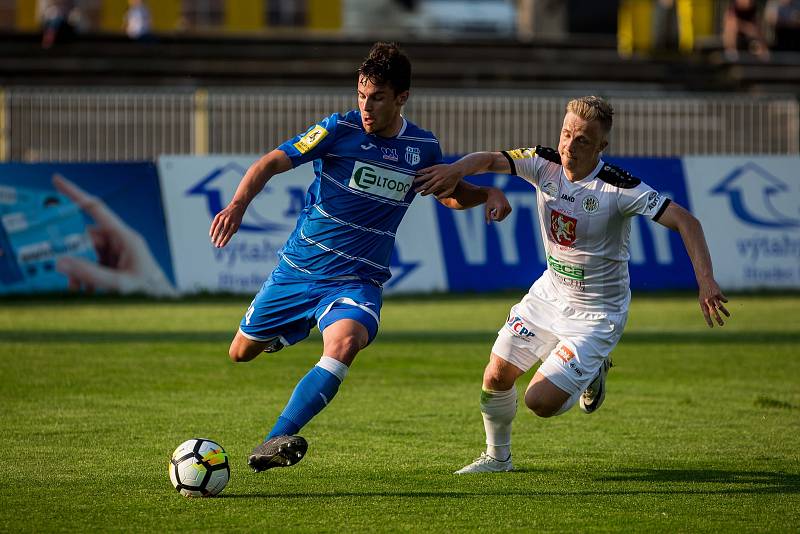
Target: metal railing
76 124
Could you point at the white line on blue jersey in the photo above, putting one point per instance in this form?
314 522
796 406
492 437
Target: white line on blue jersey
342 254
352 225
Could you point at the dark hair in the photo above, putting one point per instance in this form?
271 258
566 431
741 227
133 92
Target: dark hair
387 64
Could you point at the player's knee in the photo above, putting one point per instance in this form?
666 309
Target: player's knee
496 378
538 404
345 346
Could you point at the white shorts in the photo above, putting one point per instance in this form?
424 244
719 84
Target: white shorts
572 345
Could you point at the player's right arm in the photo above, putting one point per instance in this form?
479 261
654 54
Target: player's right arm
441 180
227 221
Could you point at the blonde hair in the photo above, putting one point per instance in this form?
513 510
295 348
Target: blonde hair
592 108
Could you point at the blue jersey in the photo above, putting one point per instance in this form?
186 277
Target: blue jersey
362 189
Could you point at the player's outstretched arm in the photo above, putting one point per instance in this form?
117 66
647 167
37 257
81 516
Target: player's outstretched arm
710 296
227 221
467 195
441 180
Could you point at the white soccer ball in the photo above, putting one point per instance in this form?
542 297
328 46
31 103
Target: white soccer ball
199 468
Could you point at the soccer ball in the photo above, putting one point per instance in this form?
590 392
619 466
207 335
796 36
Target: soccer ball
199 468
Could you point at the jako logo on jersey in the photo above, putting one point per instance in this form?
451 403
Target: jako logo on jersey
565 353
562 228
390 154
368 146
412 155
310 139
566 197
518 327
379 181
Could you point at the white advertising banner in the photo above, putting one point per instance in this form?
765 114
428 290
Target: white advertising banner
194 189
750 210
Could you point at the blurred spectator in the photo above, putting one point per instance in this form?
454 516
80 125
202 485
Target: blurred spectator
783 16
57 21
138 24
665 26
742 30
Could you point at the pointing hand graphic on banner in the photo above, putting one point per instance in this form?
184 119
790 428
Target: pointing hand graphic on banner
125 263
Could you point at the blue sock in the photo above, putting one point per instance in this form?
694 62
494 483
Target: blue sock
310 396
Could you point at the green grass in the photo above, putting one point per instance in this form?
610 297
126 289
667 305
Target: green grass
698 431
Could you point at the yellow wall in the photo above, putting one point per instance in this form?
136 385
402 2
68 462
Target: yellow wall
112 15
26 15
247 15
166 14
324 14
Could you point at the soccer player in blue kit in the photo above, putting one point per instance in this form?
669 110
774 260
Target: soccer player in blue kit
331 269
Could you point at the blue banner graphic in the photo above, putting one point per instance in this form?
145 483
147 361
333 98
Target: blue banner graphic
83 226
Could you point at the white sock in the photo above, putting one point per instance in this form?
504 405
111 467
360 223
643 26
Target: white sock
498 409
334 367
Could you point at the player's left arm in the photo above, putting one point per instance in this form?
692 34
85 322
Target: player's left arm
676 217
467 195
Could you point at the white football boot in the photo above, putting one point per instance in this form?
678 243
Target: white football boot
595 394
486 464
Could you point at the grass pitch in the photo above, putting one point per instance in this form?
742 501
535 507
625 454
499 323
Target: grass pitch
698 431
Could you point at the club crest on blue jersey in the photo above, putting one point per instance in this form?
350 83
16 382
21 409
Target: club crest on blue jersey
412 155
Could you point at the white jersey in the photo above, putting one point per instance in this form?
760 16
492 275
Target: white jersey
586 227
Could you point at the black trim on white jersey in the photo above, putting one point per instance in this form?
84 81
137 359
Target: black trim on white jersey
510 162
618 177
547 153
661 210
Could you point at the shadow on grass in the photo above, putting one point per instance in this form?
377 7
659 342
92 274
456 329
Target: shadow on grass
419 337
660 481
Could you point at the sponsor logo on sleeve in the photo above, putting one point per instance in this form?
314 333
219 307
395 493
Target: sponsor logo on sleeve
412 155
652 200
311 139
521 153
379 181
562 228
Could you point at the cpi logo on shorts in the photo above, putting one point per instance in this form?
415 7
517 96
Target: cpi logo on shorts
516 325
380 181
562 228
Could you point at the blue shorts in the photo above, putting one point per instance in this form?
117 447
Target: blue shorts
286 309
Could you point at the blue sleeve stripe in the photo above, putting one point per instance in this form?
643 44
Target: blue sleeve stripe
365 195
352 225
343 254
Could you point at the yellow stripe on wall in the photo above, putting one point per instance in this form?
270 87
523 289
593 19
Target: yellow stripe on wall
244 15
26 15
324 14
165 14
113 15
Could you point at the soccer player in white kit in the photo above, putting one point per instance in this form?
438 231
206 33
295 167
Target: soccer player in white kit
574 314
